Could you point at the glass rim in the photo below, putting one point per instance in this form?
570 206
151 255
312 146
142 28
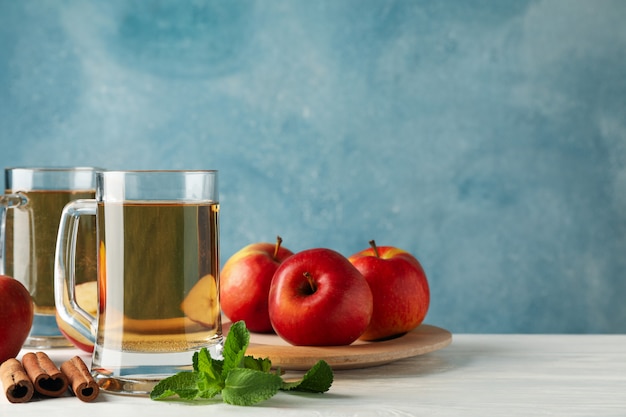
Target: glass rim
53 168
132 171
156 171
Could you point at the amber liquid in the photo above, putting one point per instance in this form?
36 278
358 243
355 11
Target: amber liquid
159 279
31 233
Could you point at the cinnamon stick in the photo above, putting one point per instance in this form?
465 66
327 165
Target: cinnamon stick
82 383
46 377
18 386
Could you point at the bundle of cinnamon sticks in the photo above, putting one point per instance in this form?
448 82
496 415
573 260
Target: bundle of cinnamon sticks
38 374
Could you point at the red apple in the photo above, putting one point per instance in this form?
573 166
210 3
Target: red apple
245 283
16 316
400 289
318 298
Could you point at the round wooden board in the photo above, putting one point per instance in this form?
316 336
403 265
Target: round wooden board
423 339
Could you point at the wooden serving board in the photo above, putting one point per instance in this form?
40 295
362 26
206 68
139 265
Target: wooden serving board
423 339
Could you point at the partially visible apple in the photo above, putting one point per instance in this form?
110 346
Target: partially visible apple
201 303
400 290
16 316
245 283
318 298
91 296
86 295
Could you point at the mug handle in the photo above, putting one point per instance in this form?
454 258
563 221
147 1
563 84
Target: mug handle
64 269
7 201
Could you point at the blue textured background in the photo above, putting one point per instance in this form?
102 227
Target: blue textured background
488 137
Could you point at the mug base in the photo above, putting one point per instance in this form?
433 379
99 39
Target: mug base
46 342
143 370
45 334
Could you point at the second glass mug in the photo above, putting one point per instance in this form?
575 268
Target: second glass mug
158 275
29 218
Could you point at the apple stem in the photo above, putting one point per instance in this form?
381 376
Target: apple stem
279 240
373 245
312 285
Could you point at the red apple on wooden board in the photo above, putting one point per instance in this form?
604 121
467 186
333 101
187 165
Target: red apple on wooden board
16 316
318 298
400 289
245 283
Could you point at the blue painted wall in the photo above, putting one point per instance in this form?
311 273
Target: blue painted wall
488 138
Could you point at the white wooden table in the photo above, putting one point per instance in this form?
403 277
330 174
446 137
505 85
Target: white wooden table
477 375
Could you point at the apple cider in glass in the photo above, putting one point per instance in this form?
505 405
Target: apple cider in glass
30 252
158 277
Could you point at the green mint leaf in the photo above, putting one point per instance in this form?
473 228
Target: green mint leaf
203 362
235 346
249 386
183 384
318 379
259 364
208 387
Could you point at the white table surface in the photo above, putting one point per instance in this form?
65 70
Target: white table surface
477 375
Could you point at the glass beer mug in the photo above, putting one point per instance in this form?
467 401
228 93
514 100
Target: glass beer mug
30 211
158 275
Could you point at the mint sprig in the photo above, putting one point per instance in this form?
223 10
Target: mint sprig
239 379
